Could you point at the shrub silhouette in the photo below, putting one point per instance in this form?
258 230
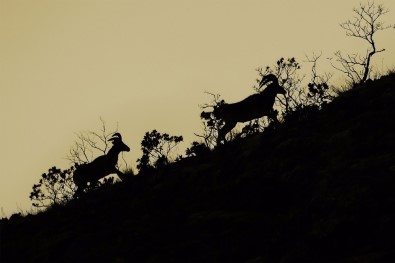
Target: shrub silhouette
286 71
56 187
197 149
211 124
319 189
156 148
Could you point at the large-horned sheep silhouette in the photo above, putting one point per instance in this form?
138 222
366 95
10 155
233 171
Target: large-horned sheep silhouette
101 166
253 107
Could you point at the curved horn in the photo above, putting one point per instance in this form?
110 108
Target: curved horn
267 78
115 136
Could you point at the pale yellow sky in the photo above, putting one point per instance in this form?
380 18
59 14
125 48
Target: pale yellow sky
144 64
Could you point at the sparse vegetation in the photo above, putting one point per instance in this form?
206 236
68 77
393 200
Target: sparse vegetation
56 187
364 25
314 184
300 99
319 93
211 124
157 148
319 189
286 70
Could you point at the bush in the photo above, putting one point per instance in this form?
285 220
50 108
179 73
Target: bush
156 148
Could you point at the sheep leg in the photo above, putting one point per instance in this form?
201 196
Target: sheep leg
121 175
273 117
77 178
224 130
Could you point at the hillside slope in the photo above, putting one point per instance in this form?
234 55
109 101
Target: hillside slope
320 189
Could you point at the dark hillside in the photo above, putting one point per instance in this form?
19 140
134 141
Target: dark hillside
317 189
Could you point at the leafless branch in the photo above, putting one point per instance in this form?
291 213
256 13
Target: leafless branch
364 25
90 144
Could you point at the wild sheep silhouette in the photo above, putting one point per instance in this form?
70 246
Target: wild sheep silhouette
254 106
101 166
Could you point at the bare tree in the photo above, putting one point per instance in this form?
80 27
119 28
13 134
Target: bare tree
364 25
90 144
319 92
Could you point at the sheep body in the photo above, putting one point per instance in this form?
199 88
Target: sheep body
253 107
101 166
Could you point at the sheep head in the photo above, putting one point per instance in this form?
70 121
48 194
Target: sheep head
116 140
274 83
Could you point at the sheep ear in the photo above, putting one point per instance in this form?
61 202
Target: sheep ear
262 82
115 136
267 78
113 139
